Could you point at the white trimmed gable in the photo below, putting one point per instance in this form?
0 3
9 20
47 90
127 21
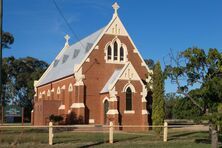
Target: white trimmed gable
116 28
129 73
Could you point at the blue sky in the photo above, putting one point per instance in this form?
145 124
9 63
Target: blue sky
156 26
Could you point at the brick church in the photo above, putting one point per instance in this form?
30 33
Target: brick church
99 79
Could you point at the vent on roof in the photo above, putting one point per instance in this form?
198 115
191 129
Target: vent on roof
64 59
55 63
75 54
88 46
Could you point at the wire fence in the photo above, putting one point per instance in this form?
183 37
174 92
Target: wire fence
103 135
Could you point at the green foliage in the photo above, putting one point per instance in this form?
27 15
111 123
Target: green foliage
178 107
170 100
196 67
219 108
158 113
18 78
55 118
7 39
183 109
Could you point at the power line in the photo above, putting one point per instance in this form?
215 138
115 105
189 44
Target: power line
67 23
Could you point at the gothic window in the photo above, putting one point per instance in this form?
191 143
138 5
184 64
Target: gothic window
115 51
129 99
109 52
121 54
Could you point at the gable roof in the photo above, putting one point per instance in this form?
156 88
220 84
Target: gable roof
64 63
119 74
111 80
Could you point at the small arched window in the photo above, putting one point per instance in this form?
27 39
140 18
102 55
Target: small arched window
129 99
109 52
115 51
121 54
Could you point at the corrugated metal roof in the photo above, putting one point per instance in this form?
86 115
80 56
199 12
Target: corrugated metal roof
63 65
111 80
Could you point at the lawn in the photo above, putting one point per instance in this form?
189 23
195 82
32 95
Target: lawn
37 138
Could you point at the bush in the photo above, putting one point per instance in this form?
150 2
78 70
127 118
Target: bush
55 118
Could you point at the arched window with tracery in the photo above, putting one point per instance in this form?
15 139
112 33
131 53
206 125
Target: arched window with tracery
121 54
115 55
129 104
109 52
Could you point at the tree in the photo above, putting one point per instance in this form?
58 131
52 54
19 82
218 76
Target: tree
170 100
18 80
195 67
7 39
179 107
158 113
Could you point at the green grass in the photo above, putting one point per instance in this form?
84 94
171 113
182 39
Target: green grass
38 138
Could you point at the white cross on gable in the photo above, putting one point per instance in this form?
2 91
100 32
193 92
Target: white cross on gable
67 37
115 7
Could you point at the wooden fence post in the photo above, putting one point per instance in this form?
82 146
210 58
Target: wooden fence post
165 131
50 133
111 132
214 139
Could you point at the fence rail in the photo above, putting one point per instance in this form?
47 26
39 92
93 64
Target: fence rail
110 129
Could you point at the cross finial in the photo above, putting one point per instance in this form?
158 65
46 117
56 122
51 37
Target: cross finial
67 37
115 7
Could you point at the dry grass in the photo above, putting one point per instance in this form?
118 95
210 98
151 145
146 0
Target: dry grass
36 138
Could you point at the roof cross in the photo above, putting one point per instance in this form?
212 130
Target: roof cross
67 37
115 7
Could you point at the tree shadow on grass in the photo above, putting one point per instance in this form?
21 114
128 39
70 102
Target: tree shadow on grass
68 140
203 140
127 139
180 135
115 141
93 144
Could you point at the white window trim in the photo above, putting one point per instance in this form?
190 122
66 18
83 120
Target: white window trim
61 107
77 105
129 111
91 121
144 112
111 44
58 90
130 85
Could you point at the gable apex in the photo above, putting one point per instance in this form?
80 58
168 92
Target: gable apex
116 28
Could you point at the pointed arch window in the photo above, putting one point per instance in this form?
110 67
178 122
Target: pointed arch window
121 54
115 55
116 52
109 52
129 99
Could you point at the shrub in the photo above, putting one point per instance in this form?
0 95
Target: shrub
55 118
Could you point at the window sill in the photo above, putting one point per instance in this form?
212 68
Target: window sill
129 112
115 62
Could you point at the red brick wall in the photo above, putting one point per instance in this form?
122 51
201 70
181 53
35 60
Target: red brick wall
55 99
98 72
130 119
